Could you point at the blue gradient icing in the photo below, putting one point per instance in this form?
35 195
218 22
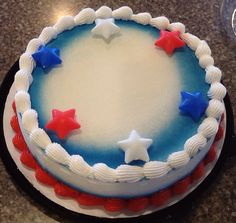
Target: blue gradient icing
169 140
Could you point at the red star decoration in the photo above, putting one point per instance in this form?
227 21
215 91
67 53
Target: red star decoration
63 122
169 41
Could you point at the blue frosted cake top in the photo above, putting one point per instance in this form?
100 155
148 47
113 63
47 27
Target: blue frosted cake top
170 138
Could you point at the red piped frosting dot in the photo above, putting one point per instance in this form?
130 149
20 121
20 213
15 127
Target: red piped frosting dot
19 142
27 159
137 204
160 198
44 177
90 200
211 156
13 105
65 191
115 204
198 172
219 134
181 186
15 124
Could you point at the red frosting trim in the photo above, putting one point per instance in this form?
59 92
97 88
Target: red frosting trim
15 124
181 186
160 198
27 159
19 142
65 191
90 200
115 204
137 204
199 172
110 204
44 177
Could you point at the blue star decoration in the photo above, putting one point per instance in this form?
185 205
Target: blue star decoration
193 104
47 57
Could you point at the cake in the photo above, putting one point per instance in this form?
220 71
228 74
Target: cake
118 110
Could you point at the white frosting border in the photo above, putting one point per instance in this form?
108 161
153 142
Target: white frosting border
123 173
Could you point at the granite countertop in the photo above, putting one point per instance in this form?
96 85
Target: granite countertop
22 20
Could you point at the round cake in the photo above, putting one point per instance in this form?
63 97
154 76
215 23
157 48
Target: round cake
118 110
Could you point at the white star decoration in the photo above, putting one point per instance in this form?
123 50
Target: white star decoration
105 28
135 147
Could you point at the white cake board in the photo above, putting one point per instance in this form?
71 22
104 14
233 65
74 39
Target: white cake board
71 204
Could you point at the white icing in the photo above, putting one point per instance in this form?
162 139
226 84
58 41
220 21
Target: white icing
26 63
191 40
209 127
155 169
105 28
86 16
79 166
123 13
215 108
194 144
40 138
160 22
143 18
22 99
217 91
64 23
33 45
213 74
47 34
103 173
178 159
126 173
202 49
21 81
56 152
177 26
30 120
135 147
103 12
205 61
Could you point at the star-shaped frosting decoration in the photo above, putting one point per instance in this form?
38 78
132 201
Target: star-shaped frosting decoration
193 104
169 41
47 57
105 28
63 122
135 147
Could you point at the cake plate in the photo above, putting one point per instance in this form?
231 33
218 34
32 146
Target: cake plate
175 210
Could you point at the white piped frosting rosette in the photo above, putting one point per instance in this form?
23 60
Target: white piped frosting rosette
123 173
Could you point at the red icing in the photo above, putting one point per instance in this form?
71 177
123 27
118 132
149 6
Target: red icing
115 204
65 191
63 123
19 142
137 204
211 156
181 186
13 105
160 198
27 159
198 172
15 124
219 134
44 177
169 41
90 200
110 204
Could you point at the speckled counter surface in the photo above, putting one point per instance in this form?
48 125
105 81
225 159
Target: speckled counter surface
22 20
